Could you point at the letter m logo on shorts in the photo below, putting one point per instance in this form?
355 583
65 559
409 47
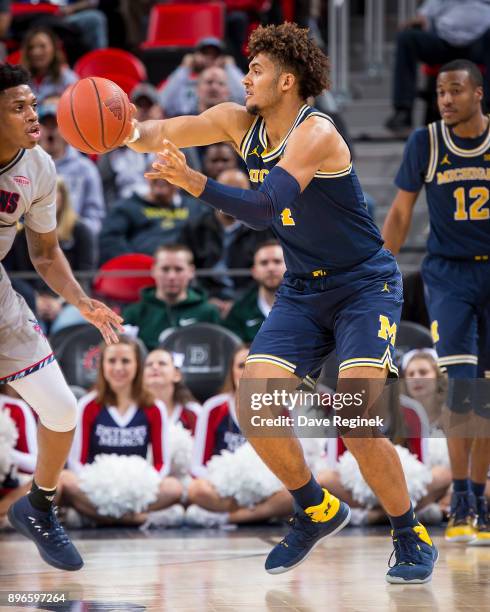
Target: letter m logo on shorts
387 330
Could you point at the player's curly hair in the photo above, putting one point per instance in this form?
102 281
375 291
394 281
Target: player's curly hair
12 76
292 48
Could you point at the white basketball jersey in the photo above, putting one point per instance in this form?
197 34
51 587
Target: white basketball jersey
27 189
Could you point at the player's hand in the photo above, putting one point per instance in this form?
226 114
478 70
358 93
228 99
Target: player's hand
134 132
104 319
170 165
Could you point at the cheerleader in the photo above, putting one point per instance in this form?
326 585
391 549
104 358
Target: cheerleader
18 451
163 379
232 485
110 479
426 386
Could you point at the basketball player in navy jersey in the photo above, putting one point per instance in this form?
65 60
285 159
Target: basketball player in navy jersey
27 363
341 288
452 158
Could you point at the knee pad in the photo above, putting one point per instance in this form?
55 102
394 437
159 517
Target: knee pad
49 395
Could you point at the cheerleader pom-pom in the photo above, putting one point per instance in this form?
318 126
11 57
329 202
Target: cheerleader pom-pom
242 475
181 444
8 440
417 475
119 484
438 453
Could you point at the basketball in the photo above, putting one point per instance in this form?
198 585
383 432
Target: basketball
94 115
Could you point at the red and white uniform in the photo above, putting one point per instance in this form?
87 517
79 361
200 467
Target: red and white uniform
25 453
186 415
103 430
28 190
217 429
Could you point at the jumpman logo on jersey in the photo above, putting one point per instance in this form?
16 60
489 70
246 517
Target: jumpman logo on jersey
386 288
445 160
254 152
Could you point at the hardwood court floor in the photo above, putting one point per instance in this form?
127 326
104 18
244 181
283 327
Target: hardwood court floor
198 570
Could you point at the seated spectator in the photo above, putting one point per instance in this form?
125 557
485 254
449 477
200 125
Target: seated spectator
119 418
249 312
76 239
78 172
217 431
184 93
92 23
221 242
442 31
49 306
217 158
163 379
172 302
23 454
141 224
43 57
122 170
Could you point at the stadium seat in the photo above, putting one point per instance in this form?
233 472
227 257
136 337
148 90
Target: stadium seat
411 336
20 8
77 350
13 58
103 62
207 351
125 289
183 25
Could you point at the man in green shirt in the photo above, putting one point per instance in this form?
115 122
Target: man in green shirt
171 303
249 312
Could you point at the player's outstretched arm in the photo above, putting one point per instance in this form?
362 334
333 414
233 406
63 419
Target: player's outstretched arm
52 266
225 122
398 220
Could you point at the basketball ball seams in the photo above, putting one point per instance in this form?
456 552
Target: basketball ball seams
72 111
101 114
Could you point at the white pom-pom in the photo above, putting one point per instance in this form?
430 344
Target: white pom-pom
417 475
118 484
242 475
8 440
438 453
181 445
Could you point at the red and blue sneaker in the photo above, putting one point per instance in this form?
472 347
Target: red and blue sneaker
43 528
308 528
415 556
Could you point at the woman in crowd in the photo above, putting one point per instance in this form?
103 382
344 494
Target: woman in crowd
120 418
41 54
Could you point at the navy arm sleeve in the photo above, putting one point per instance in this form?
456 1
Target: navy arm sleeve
411 175
255 208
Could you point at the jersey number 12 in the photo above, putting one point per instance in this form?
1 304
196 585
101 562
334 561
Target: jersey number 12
476 212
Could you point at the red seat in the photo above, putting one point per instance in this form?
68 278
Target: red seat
124 288
18 8
432 70
126 82
102 62
13 58
183 25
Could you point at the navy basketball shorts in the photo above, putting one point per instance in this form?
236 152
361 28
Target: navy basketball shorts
356 312
457 295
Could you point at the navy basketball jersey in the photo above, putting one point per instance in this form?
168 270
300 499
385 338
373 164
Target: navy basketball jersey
456 172
328 226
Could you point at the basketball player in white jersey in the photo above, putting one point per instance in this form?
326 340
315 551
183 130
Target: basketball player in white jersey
28 192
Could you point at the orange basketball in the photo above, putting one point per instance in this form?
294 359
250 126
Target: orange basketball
93 115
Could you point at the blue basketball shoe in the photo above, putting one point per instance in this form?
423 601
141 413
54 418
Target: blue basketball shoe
415 556
43 528
308 528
